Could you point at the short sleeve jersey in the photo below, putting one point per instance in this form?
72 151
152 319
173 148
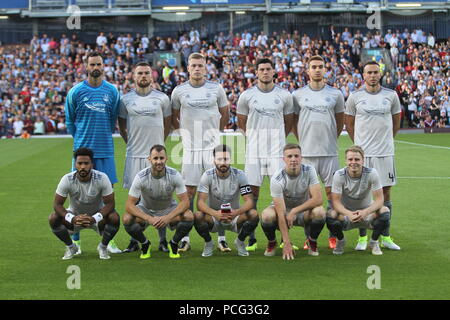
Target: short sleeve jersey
224 190
145 120
265 111
373 120
199 114
294 189
85 197
317 118
157 193
356 192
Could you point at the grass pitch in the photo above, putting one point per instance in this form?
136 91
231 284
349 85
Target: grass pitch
30 255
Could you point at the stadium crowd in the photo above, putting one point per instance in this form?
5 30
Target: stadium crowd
35 79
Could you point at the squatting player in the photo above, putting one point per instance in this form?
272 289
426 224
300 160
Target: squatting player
319 120
297 201
265 115
372 121
145 118
91 205
223 185
150 202
199 109
91 112
352 191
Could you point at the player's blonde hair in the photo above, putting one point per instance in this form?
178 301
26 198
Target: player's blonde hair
356 149
196 55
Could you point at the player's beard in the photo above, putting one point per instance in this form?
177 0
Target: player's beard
95 73
84 173
223 168
144 84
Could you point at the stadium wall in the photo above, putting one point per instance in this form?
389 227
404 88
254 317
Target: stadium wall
20 30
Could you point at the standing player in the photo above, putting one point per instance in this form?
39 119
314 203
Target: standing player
297 201
265 115
319 111
91 205
144 120
353 207
372 121
221 186
199 109
91 112
150 202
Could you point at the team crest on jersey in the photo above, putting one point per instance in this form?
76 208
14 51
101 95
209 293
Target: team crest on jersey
106 98
188 96
208 95
85 99
386 101
155 103
328 99
277 101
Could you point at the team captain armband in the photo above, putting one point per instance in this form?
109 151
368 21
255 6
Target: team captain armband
245 190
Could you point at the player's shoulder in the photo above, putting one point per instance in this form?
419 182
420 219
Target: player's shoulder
212 84
387 91
280 175
307 167
158 94
171 171
71 176
210 172
359 91
110 86
182 86
144 173
99 176
341 172
236 171
77 87
277 88
331 89
130 94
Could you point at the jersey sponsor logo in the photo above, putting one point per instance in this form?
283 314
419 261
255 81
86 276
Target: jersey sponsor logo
199 104
146 111
245 190
317 109
96 106
265 112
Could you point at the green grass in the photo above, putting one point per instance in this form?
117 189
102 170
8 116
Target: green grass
30 255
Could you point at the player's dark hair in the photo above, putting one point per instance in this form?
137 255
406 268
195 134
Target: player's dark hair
290 146
142 64
158 148
264 60
82 151
221 148
94 54
370 63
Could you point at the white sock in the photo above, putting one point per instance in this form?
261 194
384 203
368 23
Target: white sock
221 238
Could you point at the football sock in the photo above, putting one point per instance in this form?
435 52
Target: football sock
386 231
136 231
62 234
183 228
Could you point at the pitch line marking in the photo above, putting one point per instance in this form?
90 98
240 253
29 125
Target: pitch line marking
430 178
423 145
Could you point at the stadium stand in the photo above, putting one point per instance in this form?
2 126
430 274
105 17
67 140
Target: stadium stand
35 77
